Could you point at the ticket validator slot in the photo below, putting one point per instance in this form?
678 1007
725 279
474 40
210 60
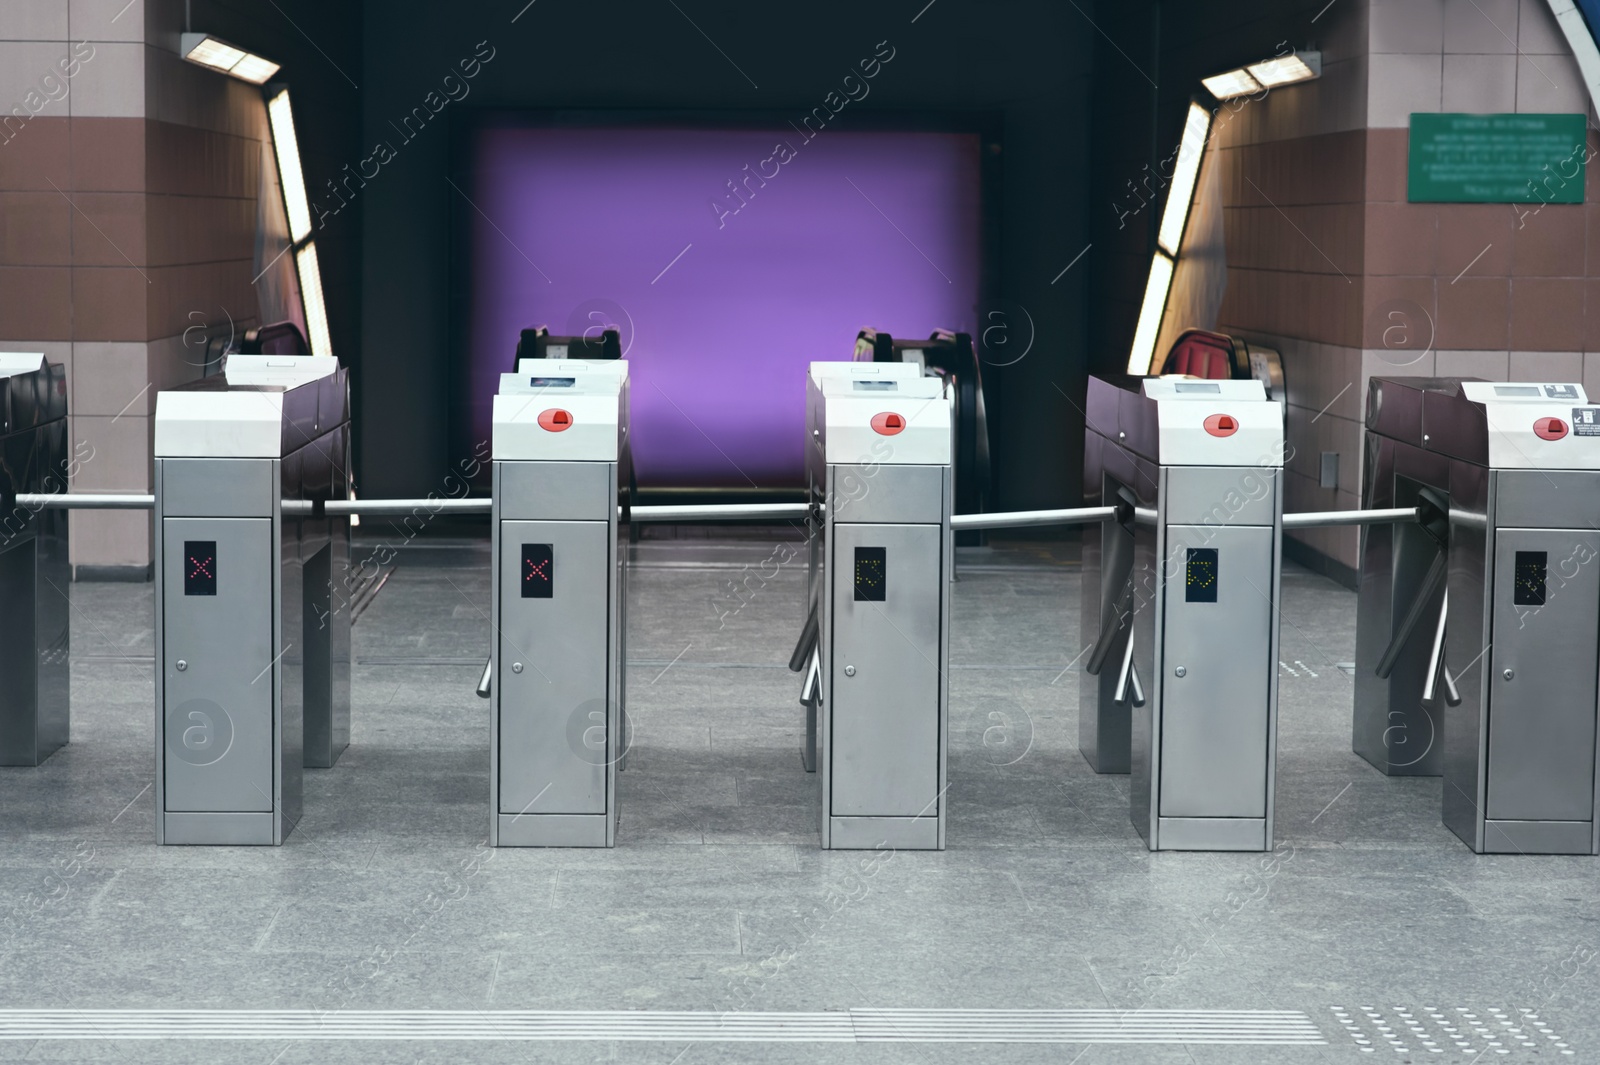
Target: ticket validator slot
880 460
555 679
1183 671
35 577
251 579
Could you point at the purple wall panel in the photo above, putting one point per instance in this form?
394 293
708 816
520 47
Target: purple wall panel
577 227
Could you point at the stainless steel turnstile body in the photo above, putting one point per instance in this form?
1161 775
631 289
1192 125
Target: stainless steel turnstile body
883 621
35 576
252 635
558 727
1198 465
1518 673
816 489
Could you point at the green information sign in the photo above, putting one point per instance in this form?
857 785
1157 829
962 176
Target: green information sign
1497 158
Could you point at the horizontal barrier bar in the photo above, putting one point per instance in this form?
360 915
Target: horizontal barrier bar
1317 519
1018 519
722 512
344 507
707 512
85 501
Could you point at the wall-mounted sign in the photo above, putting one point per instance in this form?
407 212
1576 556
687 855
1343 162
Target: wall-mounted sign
1496 158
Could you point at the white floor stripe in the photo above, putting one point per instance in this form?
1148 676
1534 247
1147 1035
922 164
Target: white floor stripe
1254 1027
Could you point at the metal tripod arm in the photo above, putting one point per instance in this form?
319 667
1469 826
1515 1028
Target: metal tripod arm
1408 625
1129 678
1436 667
806 646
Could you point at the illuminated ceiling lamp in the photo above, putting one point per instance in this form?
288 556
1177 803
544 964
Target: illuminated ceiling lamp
1143 352
286 147
216 54
1169 238
1185 173
1245 81
296 205
1287 69
1231 84
305 260
1271 73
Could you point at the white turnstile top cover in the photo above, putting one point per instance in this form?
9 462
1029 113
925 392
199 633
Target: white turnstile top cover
844 370
242 417
865 371
562 410
1538 425
900 422
15 362
1216 423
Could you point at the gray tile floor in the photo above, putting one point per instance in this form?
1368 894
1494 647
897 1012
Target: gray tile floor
716 897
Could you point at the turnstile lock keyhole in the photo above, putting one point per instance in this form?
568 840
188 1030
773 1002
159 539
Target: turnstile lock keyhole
849 671
516 667
1509 674
182 665
1180 671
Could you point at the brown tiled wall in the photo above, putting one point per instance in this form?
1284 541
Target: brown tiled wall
1494 277
1295 236
119 233
1329 262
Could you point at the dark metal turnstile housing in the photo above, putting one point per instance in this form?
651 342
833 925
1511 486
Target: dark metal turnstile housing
35 677
1111 477
252 634
1400 598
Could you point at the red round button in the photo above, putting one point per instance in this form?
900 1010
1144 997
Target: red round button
1550 428
1222 425
555 420
888 424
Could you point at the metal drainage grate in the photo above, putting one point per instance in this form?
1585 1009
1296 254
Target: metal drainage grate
1450 1030
1240 1027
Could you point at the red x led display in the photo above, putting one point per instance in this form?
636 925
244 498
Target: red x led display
538 571
199 567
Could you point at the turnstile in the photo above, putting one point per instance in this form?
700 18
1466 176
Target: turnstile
1104 736
1513 652
1196 466
881 630
556 677
853 482
34 572
252 633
